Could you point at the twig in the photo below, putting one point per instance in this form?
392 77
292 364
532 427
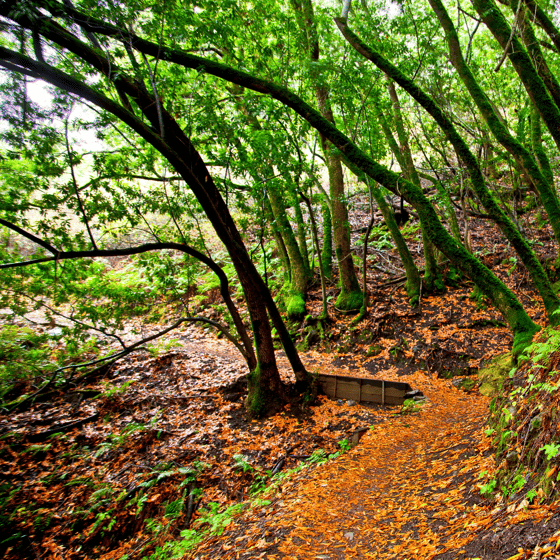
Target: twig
512 35
75 183
39 436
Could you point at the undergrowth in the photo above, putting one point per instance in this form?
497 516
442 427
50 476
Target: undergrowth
524 425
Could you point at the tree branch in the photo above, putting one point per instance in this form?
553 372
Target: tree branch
31 237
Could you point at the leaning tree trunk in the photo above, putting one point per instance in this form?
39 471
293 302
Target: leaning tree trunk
537 146
266 389
519 152
413 280
280 245
527 255
521 61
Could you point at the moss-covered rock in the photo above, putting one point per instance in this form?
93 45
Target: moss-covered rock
492 376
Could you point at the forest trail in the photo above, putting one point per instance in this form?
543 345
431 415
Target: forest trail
410 489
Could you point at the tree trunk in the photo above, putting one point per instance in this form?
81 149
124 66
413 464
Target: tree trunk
432 277
412 285
351 296
295 298
327 249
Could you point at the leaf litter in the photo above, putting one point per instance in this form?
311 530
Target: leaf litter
98 472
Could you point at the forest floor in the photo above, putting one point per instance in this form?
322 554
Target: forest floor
161 447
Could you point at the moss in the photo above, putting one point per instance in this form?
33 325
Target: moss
453 277
521 340
467 384
295 306
327 250
256 403
413 300
492 376
350 301
433 283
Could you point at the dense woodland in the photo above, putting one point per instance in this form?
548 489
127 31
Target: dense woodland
252 168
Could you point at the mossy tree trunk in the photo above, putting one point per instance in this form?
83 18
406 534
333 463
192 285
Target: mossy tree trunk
293 257
521 61
280 245
300 224
364 309
413 280
315 232
528 257
299 272
327 249
537 146
433 281
532 45
547 195
350 296
541 18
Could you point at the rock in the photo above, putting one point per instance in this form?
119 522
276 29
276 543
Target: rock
349 535
512 459
351 403
413 394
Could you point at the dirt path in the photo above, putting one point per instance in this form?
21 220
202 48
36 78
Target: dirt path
408 490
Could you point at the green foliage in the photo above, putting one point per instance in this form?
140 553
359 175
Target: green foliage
521 419
380 237
218 520
410 406
345 445
120 439
24 354
110 391
551 450
489 488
